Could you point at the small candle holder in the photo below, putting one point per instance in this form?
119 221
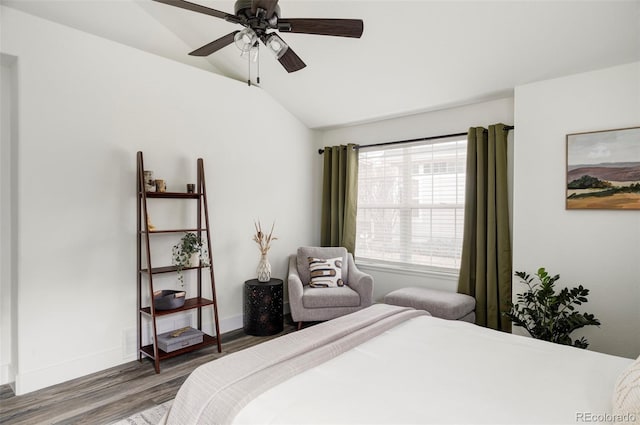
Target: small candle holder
161 185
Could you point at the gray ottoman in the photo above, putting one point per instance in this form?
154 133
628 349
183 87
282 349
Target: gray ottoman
446 305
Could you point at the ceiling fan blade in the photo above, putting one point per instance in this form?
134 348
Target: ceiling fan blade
200 9
215 45
268 5
291 62
336 27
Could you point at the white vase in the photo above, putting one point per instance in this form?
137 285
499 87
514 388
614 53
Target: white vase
264 269
194 260
149 184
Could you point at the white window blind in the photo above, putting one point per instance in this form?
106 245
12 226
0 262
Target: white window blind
411 203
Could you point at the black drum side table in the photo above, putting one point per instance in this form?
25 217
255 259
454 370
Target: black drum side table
263 307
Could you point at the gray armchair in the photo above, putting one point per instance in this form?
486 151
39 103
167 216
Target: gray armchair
316 304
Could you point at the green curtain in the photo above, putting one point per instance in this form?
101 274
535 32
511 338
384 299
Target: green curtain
339 197
485 269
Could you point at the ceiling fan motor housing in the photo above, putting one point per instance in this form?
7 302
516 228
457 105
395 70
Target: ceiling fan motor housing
243 8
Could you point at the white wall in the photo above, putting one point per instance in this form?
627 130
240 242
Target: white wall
8 126
598 249
447 121
86 106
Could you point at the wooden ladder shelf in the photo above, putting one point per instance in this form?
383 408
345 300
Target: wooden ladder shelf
145 270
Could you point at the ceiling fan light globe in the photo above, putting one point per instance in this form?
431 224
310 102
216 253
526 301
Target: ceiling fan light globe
245 39
276 45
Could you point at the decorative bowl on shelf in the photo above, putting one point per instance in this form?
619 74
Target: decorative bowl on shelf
169 299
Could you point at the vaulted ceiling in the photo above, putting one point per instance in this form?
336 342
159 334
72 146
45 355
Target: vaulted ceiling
414 56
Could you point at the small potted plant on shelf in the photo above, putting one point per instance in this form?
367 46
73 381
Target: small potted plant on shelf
189 252
548 315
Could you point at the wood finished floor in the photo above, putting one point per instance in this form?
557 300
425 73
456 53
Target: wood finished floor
117 393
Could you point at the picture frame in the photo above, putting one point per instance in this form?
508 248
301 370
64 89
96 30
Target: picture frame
603 170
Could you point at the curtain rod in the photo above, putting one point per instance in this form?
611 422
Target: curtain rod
444 136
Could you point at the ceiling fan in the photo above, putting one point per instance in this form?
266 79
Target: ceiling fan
259 16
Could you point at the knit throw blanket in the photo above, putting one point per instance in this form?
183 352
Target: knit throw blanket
215 392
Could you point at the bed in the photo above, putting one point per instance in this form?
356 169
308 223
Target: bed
388 364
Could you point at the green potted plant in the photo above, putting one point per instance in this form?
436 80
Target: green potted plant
548 315
187 253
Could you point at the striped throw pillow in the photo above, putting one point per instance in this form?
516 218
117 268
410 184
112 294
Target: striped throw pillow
325 273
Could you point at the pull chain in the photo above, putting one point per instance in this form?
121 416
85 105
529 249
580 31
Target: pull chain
258 57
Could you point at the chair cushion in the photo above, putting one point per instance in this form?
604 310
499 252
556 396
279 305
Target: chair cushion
443 304
330 297
302 260
325 273
471 317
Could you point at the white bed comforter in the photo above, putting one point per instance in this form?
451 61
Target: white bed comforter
428 370
216 391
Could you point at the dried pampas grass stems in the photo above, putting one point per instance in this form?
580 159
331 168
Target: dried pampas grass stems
263 240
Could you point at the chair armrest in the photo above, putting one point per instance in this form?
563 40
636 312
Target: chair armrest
360 282
295 287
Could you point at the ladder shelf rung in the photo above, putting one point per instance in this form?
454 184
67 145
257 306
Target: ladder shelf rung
189 304
172 195
170 269
152 232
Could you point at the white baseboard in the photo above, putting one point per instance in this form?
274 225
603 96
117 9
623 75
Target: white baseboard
229 324
26 382
33 380
7 374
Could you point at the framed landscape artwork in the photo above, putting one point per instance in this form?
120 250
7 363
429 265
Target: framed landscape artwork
603 169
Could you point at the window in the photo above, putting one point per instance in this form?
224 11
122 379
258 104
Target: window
411 204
